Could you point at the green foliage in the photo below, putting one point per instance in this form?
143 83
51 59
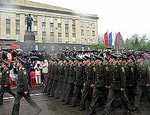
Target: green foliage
98 46
137 43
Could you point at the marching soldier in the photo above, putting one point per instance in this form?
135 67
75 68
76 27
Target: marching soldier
143 83
23 91
79 76
117 86
5 83
88 84
99 85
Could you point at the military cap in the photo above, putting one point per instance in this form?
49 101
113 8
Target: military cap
99 57
87 57
72 58
132 57
124 57
78 58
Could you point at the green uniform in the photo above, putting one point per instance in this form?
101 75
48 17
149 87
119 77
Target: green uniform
87 90
118 82
22 86
5 81
130 78
79 76
70 86
143 72
99 86
60 81
55 80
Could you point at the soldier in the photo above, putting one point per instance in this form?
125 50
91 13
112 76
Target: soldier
23 91
88 84
117 86
71 79
79 76
99 85
65 81
61 78
5 83
143 83
55 79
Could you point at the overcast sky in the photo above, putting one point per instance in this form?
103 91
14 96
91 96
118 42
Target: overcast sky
127 16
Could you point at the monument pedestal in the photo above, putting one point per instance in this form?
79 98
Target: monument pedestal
29 41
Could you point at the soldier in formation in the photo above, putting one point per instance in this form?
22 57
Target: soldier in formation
98 80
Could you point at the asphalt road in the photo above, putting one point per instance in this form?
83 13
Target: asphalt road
52 106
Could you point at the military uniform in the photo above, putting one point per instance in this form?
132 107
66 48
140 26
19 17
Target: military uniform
118 82
5 81
130 86
79 76
60 82
22 86
99 87
55 80
143 72
65 82
87 90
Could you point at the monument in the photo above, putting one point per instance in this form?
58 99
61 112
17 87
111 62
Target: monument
29 37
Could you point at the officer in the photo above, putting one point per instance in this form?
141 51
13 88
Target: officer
61 78
23 91
117 86
99 85
5 83
88 83
143 83
79 77
55 78
71 79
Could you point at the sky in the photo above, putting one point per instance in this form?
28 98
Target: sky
126 16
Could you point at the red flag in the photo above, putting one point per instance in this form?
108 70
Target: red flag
15 46
106 39
118 38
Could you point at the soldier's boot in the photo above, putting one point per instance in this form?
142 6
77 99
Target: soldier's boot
91 112
127 112
135 109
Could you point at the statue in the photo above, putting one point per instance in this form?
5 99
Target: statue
29 22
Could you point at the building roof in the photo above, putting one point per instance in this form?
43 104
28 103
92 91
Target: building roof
34 6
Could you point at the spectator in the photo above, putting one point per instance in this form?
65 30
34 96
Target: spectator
45 70
38 68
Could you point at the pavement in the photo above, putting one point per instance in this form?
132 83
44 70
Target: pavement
52 106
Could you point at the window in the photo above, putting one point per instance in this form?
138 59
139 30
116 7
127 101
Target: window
93 26
51 20
44 37
35 27
7 25
88 40
35 18
58 20
67 39
88 32
51 28
66 30
87 24
52 36
74 39
59 37
43 19
82 32
44 27
17 26
66 21
82 23
93 33
82 40
73 22
59 28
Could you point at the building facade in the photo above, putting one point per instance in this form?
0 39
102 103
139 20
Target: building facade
54 27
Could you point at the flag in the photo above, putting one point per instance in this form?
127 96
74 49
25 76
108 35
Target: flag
118 39
110 39
106 39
